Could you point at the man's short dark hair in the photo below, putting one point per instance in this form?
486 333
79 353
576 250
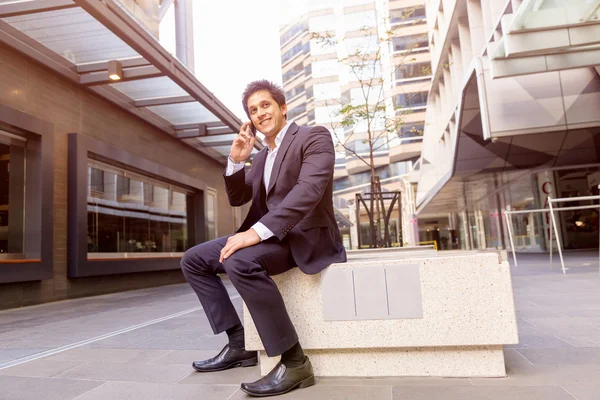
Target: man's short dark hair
275 90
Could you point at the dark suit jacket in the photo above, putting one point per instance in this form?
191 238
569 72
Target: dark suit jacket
299 198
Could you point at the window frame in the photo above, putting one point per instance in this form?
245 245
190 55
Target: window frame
81 149
37 260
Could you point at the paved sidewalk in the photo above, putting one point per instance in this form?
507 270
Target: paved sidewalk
558 356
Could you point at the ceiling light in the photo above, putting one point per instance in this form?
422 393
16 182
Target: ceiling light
115 70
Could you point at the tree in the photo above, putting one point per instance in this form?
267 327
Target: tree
369 115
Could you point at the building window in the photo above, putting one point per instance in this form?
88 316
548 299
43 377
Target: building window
309 93
294 112
411 42
308 70
293 31
12 195
411 130
288 55
362 178
130 215
407 14
409 100
298 90
293 72
415 70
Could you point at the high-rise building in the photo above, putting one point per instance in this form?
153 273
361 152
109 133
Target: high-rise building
391 39
512 120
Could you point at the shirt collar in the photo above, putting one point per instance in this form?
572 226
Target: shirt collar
280 135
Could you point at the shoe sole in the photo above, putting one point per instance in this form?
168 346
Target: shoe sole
310 381
245 363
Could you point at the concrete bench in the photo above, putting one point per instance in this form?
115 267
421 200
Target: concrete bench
397 314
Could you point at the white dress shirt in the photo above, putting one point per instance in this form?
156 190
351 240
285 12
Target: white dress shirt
233 167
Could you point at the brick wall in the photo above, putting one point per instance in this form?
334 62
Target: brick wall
32 88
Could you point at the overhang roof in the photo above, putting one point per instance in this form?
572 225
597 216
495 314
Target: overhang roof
78 38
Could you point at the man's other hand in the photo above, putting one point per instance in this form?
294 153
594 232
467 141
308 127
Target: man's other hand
239 241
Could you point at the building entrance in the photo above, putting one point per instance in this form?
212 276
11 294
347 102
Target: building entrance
579 227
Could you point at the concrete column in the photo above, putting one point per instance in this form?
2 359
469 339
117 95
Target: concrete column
488 24
467 231
457 63
464 40
476 27
184 32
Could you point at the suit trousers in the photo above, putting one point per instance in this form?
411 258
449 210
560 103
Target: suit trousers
250 270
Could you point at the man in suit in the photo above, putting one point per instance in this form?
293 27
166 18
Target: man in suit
290 223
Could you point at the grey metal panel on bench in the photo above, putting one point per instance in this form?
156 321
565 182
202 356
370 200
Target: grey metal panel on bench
359 293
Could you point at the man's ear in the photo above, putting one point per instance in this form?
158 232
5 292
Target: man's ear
283 109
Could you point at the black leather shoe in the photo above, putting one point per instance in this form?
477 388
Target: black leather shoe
281 380
227 358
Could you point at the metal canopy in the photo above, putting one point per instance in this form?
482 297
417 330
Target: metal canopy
79 38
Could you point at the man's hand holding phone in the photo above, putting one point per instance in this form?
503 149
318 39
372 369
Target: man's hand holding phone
243 144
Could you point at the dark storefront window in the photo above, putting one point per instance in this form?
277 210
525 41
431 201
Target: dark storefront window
129 214
12 196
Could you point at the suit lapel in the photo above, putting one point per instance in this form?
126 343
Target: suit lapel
258 166
290 135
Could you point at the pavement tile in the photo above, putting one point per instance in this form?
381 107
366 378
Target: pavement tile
128 372
42 368
184 357
539 341
544 375
488 393
153 391
18 388
583 392
562 356
234 376
14 354
203 343
116 342
327 392
109 355
408 381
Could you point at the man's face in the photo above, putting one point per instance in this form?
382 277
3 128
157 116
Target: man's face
266 115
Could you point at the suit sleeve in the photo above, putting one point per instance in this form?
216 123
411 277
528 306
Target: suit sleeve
315 173
238 187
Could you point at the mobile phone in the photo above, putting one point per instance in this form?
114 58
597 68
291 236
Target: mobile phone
252 129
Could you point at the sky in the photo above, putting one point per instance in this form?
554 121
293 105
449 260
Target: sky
236 42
